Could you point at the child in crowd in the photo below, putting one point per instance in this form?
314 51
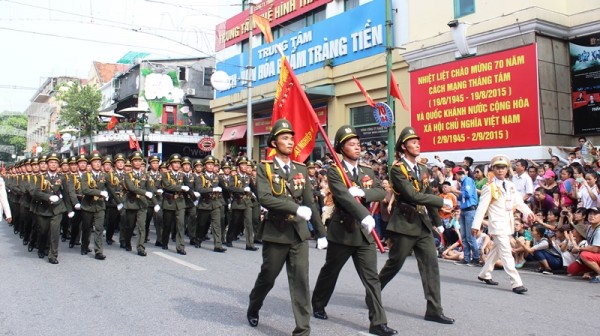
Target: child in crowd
523 234
543 251
577 240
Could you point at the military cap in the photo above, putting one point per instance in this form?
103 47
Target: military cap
174 158
217 162
226 165
344 133
95 156
107 159
281 126
311 164
242 160
64 161
234 168
82 157
73 160
500 160
154 158
163 165
136 156
209 159
186 159
53 156
119 157
406 134
127 163
43 158
197 162
34 161
253 167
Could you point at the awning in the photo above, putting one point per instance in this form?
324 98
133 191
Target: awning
233 133
111 107
200 104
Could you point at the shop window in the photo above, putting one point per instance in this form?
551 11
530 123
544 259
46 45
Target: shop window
207 73
349 4
463 8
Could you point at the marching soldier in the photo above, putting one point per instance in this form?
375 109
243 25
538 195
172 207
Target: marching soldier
53 196
194 228
349 234
173 185
78 167
115 206
26 187
226 210
64 224
410 227
139 194
209 185
255 203
96 189
44 244
282 190
241 207
154 181
191 198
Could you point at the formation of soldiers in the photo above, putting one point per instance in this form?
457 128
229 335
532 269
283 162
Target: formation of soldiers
89 198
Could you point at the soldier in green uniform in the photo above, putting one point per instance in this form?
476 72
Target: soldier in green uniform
78 167
255 204
210 186
410 227
241 207
154 181
282 190
139 194
173 185
349 233
33 240
96 189
26 186
64 223
53 194
191 198
226 210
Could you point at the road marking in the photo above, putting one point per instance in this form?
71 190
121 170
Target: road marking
179 261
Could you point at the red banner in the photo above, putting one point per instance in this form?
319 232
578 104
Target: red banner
235 29
486 101
262 126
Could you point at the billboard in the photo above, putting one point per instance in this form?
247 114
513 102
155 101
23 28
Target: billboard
346 37
236 28
584 55
479 102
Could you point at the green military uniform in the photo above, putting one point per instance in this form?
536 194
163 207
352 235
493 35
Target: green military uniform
155 185
410 227
255 205
210 186
44 244
138 195
241 208
173 205
53 196
76 221
347 237
64 223
26 186
190 199
284 233
115 207
96 188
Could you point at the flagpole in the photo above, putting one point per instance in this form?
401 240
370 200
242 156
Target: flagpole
391 136
345 177
249 121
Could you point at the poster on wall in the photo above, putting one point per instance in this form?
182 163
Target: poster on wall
485 101
584 55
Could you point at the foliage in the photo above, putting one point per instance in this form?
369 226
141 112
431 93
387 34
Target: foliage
18 123
80 106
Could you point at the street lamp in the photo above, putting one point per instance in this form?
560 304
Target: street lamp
143 132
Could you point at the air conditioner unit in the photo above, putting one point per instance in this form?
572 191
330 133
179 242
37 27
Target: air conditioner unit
190 91
115 95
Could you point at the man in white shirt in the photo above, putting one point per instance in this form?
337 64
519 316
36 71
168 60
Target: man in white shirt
522 180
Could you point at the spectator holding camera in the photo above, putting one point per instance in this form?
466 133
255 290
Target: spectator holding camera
588 191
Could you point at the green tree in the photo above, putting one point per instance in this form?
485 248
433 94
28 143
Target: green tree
13 126
80 104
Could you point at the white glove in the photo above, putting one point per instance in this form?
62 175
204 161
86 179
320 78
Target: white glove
71 214
217 189
157 208
77 206
104 194
304 212
197 194
53 199
159 191
440 229
448 203
368 223
246 189
229 206
119 206
356 192
185 188
322 243
196 203
149 194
